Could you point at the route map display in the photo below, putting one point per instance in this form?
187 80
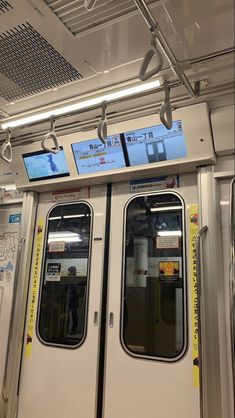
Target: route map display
8 252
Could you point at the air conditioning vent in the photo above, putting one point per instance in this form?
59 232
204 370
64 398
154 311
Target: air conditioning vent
5 6
29 64
78 20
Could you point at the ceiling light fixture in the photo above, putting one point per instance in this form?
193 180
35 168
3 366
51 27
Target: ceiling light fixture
86 104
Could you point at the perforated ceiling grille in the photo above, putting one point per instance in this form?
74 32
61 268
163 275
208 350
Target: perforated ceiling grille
5 6
29 64
78 20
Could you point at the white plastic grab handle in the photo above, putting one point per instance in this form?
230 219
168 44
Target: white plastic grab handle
143 73
6 151
50 135
102 128
166 115
89 4
166 111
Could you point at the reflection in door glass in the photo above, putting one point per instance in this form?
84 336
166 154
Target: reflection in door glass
153 309
65 277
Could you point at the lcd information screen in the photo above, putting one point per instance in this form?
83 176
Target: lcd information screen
155 144
93 156
42 165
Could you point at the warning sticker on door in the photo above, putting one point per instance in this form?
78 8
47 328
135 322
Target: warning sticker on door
193 230
169 270
35 284
56 247
53 272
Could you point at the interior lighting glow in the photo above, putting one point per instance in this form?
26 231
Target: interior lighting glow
169 233
86 104
168 209
64 236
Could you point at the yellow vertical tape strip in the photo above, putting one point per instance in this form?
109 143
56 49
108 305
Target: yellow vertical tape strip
35 284
193 230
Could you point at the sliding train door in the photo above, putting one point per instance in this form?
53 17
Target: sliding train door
60 359
151 356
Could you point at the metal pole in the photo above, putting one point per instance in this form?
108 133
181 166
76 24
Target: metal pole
174 63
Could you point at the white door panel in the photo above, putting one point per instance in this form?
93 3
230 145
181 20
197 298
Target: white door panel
140 387
9 237
59 382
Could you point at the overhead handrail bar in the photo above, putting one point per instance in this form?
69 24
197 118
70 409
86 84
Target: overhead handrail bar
165 113
51 135
153 52
89 4
199 236
6 148
176 65
102 128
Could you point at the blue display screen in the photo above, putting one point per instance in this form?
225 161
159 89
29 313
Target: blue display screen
42 165
155 144
93 156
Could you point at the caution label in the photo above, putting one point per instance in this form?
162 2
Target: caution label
35 284
169 269
193 230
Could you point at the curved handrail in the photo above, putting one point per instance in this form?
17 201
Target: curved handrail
102 128
51 135
232 272
6 149
165 112
152 52
199 236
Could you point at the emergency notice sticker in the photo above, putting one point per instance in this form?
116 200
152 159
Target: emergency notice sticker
53 272
167 242
56 247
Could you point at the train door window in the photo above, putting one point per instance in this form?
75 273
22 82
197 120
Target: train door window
153 323
64 283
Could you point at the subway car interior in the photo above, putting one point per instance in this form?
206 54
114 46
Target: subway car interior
117 209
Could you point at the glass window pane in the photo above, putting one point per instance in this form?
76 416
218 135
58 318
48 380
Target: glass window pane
65 277
153 309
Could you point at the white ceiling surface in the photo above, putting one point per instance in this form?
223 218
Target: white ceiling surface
192 28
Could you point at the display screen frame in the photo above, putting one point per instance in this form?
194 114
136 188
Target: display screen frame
159 144
100 169
49 177
154 143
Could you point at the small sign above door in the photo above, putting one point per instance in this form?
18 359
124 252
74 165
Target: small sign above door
158 183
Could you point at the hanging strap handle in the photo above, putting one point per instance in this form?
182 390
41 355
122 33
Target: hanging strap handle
166 111
6 149
144 74
89 4
51 135
102 128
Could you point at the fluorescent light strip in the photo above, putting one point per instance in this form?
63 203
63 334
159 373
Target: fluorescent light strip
169 233
59 239
82 105
166 209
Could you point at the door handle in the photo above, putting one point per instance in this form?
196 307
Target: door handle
96 319
111 319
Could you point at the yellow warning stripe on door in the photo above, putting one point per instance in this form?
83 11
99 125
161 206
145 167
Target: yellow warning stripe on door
35 285
193 230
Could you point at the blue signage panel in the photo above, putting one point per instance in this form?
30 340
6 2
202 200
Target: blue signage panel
15 218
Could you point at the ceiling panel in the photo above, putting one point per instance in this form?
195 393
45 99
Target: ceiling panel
196 28
79 20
